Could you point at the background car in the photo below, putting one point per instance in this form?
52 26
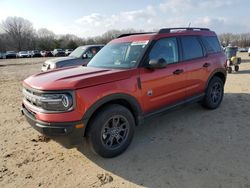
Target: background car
80 56
68 51
2 55
58 52
35 53
10 54
46 53
29 53
22 54
242 49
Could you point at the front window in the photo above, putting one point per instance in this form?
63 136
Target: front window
166 49
78 52
119 55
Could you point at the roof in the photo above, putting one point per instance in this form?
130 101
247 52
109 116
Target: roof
92 45
130 37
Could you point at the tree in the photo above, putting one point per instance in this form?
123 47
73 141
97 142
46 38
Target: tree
46 39
72 44
20 32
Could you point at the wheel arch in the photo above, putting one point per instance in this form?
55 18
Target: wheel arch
126 100
221 73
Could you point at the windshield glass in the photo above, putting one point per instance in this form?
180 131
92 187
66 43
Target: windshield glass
77 52
118 55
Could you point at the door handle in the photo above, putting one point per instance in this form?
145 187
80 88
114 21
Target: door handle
178 71
206 64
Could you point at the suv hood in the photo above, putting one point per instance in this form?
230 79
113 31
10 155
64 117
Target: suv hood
59 59
74 77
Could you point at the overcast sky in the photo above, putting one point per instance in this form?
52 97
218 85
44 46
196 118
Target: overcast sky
90 18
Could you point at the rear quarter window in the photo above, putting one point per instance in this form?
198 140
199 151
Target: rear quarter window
191 48
211 44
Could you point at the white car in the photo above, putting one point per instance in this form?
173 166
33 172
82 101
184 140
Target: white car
23 54
249 51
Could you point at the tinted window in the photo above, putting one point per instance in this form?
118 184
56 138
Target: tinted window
191 48
212 44
92 51
167 49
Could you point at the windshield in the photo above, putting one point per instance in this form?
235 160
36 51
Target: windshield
118 55
78 52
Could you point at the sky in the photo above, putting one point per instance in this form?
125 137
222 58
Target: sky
86 18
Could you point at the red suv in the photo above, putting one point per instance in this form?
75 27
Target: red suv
135 76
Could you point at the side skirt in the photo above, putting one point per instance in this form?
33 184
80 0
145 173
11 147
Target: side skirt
164 110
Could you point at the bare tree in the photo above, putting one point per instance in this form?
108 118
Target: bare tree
19 31
45 39
240 40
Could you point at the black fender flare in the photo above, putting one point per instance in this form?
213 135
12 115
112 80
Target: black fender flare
135 106
216 71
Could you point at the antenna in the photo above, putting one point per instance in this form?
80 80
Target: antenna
189 24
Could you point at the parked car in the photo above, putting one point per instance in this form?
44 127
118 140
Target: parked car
2 55
58 52
249 51
46 53
80 56
10 54
29 53
135 76
35 53
68 51
23 54
242 49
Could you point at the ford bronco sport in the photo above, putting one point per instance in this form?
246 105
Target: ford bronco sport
133 77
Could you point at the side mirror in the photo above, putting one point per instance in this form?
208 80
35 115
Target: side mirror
85 56
157 63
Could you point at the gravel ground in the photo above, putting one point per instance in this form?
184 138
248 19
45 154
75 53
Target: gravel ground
189 147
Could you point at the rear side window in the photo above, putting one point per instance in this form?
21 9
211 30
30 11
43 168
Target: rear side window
191 47
211 44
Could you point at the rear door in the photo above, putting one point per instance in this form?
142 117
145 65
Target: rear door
166 86
197 64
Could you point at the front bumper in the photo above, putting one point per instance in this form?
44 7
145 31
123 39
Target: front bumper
64 133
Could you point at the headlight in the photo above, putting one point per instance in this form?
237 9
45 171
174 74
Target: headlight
52 66
56 102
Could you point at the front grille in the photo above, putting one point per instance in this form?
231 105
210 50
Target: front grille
32 97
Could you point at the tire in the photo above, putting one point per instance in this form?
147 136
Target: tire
236 68
214 93
230 70
111 131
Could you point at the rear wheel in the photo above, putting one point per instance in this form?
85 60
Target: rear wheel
236 68
111 131
214 93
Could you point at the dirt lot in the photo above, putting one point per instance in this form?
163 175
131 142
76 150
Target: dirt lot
189 147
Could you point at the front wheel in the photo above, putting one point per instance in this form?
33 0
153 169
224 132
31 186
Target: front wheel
111 131
214 93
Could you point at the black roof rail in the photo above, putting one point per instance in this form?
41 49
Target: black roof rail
128 34
168 30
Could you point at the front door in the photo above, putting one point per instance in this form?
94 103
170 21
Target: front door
166 86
